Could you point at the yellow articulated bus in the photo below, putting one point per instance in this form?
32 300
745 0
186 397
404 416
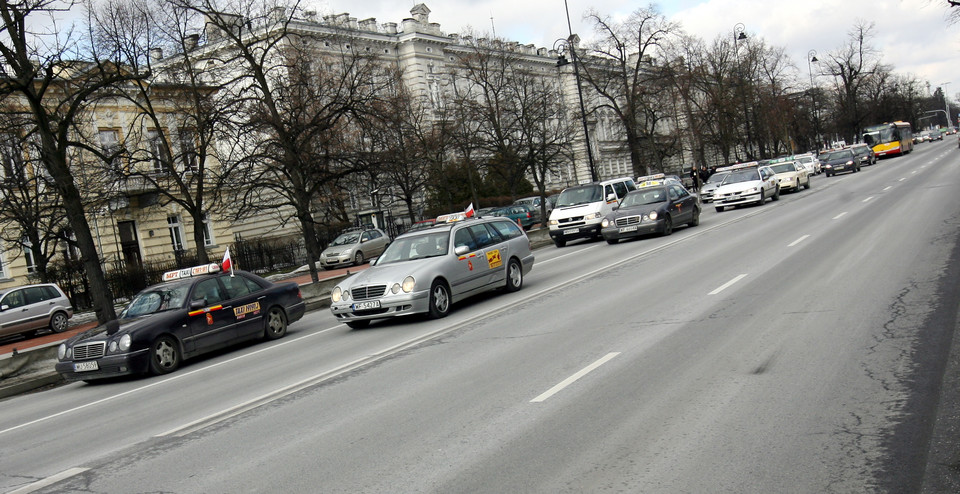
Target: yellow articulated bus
889 139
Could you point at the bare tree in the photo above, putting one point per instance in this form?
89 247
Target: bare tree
851 66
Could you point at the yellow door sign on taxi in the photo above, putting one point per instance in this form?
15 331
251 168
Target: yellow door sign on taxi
242 311
493 259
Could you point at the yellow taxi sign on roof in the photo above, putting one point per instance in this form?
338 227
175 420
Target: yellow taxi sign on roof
651 180
452 217
188 272
738 166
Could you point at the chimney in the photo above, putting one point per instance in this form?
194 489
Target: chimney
191 41
369 25
156 54
409 25
390 27
310 16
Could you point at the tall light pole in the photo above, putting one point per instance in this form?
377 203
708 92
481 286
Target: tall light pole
943 90
576 74
739 34
812 58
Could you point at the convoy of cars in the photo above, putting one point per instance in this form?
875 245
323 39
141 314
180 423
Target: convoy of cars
192 312
748 183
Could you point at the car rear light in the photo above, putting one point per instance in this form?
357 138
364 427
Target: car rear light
299 294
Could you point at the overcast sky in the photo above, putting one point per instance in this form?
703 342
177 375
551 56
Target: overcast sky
914 36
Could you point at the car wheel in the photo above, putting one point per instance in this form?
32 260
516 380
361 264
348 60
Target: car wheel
613 241
514 275
776 194
439 300
807 185
696 217
164 355
275 325
559 242
358 259
719 209
58 322
362 323
667 226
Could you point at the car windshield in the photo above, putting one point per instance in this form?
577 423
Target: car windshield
783 167
640 198
584 194
346 239
742 176
838 155
879 136
806 159
717 177
157 299
411 247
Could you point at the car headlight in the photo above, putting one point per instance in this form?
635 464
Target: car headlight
605 223
125 342
345 295
62 351
408 284
112 347
395 289
850 162
653 215
553 223
592 216
335 294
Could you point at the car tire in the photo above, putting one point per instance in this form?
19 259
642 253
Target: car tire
696 217
559 242
667 226
807 185
58 322
439 299
275 324
719 209
362 323
613 241
358 259
776 194
514 275
164 355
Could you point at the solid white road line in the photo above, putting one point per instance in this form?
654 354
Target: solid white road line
887 188
797 241
40 484
572 379
728 284
837 217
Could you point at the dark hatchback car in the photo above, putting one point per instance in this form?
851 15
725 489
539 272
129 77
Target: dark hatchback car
865 154
522 214
647 210
194 311
838 161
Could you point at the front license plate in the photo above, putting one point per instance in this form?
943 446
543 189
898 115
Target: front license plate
628 229
571 230
85 366
373 304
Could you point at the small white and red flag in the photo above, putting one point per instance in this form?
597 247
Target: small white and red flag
227 262
469 212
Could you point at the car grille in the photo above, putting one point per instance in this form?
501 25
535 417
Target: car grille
365 292
628 220
571 219
89 351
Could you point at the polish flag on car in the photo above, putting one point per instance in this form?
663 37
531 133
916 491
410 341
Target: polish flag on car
469 212
227 262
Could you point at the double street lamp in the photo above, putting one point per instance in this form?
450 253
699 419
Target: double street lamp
570 44
739 34
811 59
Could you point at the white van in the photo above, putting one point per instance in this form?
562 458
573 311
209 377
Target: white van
581 208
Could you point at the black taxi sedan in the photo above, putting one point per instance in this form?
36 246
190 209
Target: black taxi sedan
653 209
194 311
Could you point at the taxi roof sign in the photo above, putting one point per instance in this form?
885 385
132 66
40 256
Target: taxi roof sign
739 166
452 217
188 272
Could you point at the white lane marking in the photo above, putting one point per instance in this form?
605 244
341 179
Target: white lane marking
728 284
867 199
902 179
913 172
837 217
572 379
797 241
887 188
53 479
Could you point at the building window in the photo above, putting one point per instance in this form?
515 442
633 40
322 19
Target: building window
188 150
159 154
11 157
28 255
110 145
176 232
208 238
3 265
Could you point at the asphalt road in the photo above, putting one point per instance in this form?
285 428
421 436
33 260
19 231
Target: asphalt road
797 346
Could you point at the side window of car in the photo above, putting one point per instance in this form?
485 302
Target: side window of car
253 286
507 229
621 189
463 237
482 235
208 289
674 193
607 191
495 236
50 293
14 299
365 236
34 295
235 286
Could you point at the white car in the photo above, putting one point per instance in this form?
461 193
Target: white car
791 175
748 183
810 162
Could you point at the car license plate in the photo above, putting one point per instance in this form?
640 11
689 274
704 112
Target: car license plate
571 230
85 366
373 304
629 229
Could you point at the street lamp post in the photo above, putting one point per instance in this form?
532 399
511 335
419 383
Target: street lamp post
812 58
945 104
739 34
561 61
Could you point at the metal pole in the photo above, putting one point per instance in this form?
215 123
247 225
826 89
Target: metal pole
583 110
812 57
738 34
947 105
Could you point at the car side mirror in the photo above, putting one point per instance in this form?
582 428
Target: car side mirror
4 307
615 207
611 197
363 240
198 304
461 250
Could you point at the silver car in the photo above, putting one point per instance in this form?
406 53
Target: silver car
26 309
429 270
354 247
